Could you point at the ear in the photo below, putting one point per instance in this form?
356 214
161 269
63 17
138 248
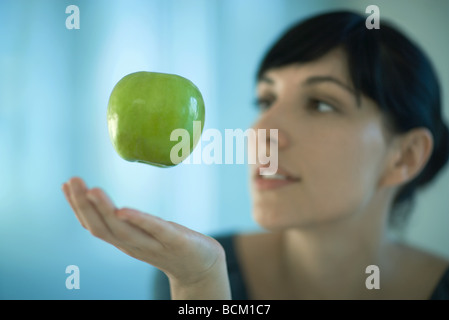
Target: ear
409 155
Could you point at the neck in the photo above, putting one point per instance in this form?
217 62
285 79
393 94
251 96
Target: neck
330 260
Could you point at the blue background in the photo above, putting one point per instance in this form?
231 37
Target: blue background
54 88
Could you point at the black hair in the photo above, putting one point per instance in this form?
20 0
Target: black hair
385 66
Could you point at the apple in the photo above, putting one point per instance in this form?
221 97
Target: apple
145 108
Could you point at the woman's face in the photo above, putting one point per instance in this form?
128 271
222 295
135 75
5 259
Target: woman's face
331 147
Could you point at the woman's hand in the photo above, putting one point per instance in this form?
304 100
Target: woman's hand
194 263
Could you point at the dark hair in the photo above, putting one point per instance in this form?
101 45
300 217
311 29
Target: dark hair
385 66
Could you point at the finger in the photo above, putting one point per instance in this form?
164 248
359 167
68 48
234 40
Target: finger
156 227
66 191
87 212
124 232
102 202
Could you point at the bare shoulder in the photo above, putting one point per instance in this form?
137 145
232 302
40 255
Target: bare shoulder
419 270
421 257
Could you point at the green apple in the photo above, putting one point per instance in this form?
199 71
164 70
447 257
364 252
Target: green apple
145 108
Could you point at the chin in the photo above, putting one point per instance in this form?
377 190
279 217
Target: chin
273 219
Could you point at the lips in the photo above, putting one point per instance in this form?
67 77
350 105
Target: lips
281 178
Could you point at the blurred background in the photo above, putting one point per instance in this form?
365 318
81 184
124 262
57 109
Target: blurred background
54 88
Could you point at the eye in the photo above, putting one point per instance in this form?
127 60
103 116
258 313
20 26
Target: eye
263 104
322 107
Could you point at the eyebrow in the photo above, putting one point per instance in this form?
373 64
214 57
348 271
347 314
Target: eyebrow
266 79
320 79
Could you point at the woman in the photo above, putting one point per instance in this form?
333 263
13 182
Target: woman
359 131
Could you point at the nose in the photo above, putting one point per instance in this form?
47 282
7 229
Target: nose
268 122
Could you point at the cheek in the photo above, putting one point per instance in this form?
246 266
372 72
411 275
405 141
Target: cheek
344 171
370 149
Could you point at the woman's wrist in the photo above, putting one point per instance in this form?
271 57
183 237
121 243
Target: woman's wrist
212 284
